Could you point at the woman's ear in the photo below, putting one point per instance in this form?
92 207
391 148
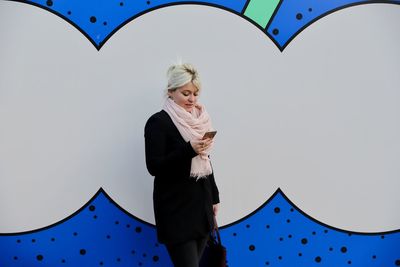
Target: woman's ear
169 93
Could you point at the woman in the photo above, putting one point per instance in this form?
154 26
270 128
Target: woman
185 196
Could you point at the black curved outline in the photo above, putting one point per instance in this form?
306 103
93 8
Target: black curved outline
100 191
278 191
265 31
98 47
364 2
58 15
241 14
171 5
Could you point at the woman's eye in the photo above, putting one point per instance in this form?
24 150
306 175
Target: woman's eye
188 93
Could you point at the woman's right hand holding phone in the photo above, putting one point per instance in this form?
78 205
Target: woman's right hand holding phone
200 146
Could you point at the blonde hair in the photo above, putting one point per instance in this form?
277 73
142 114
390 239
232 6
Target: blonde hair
180 74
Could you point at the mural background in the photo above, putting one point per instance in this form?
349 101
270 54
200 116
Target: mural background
319 118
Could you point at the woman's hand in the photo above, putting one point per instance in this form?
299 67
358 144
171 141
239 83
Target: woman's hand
200 146
215 209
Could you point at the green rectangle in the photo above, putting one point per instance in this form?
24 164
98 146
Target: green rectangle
261 11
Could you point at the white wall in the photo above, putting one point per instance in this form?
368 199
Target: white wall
320 120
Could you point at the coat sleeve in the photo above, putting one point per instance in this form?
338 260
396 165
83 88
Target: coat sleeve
214 188
158 160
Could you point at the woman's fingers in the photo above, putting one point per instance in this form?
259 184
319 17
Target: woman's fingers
208 144
201 145
215 209
196 146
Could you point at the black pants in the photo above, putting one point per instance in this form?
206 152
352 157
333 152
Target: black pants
187 254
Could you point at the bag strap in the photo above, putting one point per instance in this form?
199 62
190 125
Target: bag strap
216 230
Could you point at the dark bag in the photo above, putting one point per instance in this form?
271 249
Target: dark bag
215 253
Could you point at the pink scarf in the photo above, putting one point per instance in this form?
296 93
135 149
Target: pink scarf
192 126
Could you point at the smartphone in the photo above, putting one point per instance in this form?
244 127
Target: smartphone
209 134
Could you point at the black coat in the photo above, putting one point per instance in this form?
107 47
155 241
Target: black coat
182 205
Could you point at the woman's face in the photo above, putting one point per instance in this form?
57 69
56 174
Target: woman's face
185 96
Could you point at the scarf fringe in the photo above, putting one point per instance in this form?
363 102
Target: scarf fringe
199 175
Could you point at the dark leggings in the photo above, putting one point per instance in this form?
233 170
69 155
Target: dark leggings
187 254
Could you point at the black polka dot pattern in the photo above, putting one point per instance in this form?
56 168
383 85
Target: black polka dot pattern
292 239
80 238
116 13
94 26
263 239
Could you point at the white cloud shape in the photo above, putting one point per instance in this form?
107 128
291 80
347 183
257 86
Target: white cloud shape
320 120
